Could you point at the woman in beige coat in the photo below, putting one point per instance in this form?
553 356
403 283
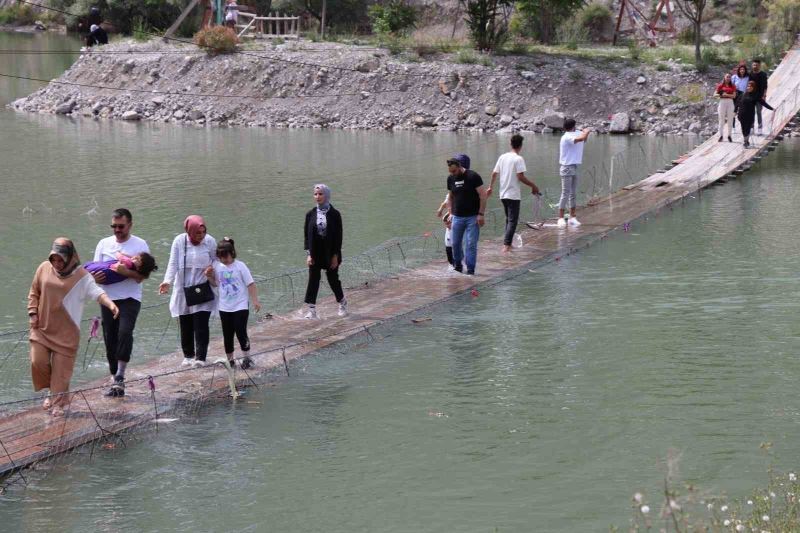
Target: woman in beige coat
59 291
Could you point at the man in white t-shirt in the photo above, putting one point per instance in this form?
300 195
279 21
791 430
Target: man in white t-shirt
571 155
510 167
127 295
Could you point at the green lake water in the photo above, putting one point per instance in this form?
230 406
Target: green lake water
541 405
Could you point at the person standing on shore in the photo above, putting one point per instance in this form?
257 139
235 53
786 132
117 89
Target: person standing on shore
97 35
510 167
570 158
126 295
726 91
59 291
190 257
466 201
760 78
323 233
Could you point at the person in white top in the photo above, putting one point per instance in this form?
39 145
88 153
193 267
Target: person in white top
570 157
236 290
190 257
231 14
510 168
126 295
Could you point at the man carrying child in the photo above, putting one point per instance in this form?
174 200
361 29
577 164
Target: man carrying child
127 295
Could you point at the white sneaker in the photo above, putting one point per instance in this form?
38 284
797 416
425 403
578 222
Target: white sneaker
199 364
561 223
311 313
342 308
574 222
187 361
760 130
451 268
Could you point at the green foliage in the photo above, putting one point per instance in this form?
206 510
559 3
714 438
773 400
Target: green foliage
341 15
783 20
544 16
141 30
686 35
469 57
596 19
396 17
123 14
18 15
217 39
634 50
572 33
487 26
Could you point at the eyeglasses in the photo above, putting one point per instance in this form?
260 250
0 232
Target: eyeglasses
117 226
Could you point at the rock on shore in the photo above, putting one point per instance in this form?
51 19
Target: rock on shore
339 86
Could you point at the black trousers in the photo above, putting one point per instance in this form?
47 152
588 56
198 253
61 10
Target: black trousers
118 334
449 251
511 207
747 125
235 322
314 277
194 334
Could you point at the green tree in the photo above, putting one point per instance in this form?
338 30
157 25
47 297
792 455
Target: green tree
544 16
121 14
487 21
394 17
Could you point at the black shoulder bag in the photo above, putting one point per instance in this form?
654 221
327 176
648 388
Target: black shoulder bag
195 294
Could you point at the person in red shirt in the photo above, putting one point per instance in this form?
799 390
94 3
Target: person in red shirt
726 91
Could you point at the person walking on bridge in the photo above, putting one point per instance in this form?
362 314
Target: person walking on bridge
58 295
323 234
726 92
466 201
760 78
126 295
748 110
510 167
570 158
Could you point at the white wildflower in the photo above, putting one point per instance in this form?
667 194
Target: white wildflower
726 522
749 502
792 476
723 508
739 527
772 495
710 506
765 518
674 505
638 497
645 509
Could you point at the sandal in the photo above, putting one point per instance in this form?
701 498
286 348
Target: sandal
57 412
47 404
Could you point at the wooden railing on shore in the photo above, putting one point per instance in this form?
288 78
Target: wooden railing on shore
276 25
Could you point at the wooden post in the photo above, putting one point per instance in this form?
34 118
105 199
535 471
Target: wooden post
179 20
322 24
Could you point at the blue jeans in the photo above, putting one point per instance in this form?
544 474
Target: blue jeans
465 227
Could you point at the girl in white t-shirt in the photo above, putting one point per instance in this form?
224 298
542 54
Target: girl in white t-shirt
448 240
236 290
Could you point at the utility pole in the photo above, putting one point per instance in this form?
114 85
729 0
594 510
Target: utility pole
322 24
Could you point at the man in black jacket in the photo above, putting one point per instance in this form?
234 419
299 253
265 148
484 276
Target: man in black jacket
760 77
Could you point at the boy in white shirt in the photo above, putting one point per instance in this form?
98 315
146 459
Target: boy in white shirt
571 155
510 167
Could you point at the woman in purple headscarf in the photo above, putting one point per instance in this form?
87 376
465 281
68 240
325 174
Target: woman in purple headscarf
323 244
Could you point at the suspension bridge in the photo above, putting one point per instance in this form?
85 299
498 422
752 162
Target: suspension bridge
29 435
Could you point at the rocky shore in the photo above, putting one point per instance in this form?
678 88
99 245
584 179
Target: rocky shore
326 85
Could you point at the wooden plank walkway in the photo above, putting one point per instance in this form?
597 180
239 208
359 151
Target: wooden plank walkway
30 435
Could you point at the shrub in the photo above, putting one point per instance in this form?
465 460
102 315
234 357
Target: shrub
469 57
783 21
18 15
596 20
634 50
395 18
691 93
571 33
217 39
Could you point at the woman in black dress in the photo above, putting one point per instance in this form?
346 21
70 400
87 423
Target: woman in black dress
747 110
323 244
